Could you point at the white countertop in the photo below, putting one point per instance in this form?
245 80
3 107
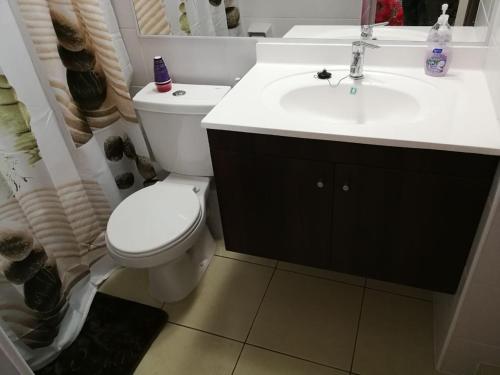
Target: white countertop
471 123
465 34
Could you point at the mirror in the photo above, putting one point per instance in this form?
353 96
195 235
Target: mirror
408 20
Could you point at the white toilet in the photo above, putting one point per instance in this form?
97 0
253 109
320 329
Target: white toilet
162 227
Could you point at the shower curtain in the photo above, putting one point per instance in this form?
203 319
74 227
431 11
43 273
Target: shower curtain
70 150
188 17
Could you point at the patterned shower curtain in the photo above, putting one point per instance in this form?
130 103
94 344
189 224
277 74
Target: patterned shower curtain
85 61
188 17
68 155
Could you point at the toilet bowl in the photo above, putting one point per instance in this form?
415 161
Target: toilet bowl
163 227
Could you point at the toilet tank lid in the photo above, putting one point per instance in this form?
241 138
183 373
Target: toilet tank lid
182 99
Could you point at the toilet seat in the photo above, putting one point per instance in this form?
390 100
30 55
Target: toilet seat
153 219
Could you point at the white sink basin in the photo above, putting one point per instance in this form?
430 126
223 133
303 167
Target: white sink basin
377 98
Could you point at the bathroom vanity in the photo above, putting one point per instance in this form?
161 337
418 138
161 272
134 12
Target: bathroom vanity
403 215
385 177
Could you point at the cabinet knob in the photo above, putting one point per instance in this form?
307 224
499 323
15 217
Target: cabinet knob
320 184
346 188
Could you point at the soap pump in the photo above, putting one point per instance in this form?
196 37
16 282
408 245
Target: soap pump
438 57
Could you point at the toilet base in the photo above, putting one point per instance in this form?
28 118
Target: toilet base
174 281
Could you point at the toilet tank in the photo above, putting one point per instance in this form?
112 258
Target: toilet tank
172 123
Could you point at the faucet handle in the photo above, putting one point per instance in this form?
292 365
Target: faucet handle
378 24
367 30
362 43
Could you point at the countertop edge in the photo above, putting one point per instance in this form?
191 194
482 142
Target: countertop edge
355 139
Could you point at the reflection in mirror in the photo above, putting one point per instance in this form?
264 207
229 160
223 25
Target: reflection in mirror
325 19
426 12
414 12
188 17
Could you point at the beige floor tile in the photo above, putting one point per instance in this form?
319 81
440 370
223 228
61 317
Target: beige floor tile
221 251
488 370
256 361
311 271
183 351
399 289
131 284
227 299
309 318
395 336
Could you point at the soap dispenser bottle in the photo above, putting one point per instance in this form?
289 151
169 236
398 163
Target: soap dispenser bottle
438 56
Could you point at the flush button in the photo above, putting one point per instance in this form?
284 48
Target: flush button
179 93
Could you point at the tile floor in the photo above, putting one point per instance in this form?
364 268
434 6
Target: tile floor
253 316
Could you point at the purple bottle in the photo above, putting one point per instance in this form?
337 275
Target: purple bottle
162 78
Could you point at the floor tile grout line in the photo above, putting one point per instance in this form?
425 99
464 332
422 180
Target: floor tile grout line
297 357
399 294
323 278
261 303
255 317
275 269
364 285
238 359
365 282
276 266
358 327
259 347
246 261
207 332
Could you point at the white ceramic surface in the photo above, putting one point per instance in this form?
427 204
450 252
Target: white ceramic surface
454 113
172 126
162 227
181 99
355 102
147 221
152 218
393 33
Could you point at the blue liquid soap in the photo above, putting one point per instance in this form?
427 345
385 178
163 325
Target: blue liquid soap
438 58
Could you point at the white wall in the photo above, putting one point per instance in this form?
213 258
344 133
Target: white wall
483 18
472 315
468 324
493 62
283 14
189 60
216 60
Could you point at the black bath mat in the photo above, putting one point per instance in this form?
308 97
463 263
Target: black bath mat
114 338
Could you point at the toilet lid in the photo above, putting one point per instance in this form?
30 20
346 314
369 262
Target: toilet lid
153 218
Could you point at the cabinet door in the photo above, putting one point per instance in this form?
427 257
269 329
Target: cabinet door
405 227
276 207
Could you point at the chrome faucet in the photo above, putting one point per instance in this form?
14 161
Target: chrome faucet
368 16
358 58
368 13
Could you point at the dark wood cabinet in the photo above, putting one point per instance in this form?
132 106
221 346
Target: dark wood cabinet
276 207
402 226
394 214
